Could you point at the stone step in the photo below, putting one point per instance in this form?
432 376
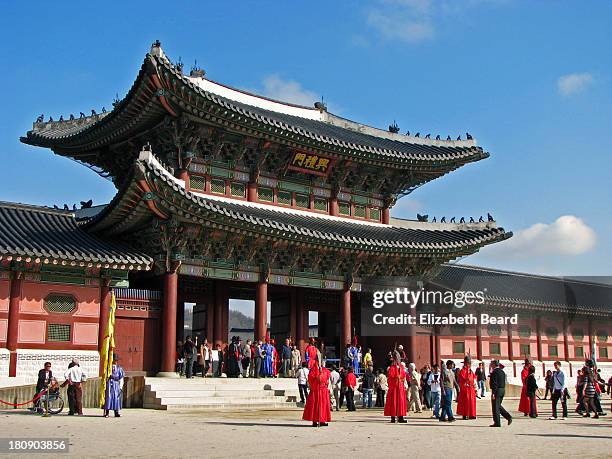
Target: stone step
220 393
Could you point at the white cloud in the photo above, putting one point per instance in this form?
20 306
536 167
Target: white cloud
573 83
290 91
404 20
568 235
413 21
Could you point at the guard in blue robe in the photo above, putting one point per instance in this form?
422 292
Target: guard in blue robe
355 359
114 386
267 363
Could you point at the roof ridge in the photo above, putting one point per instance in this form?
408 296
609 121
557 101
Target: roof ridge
36 208
524 274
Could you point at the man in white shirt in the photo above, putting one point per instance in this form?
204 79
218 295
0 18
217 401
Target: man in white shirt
334 385
216 361
558 392
434 381
302 380
75 377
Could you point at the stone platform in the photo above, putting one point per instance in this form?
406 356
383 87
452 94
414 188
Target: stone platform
220 393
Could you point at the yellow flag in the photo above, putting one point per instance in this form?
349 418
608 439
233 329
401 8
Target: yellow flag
108 349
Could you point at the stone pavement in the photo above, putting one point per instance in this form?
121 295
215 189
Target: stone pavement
270 434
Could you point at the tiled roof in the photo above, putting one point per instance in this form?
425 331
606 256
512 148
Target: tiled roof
393 148
45 235
308 227
528 290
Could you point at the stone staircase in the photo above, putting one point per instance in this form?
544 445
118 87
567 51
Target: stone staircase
220 393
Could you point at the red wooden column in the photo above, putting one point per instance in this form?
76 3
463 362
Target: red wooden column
210 322
293 316
105 299
252 191
13 320
539 338
220 331
301 322
169 324
345 314
261 313
333 205
182 174
510 342
478 342
565 340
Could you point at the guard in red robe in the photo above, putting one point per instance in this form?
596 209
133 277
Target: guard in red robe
311 354
395 404
466 403
318 406
524 403
275 364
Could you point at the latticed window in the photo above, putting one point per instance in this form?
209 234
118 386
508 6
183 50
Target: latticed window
495 348
525 350
217 186
524 331
552 333
344 208
265 194
579 352
578 334
458 347
603 352
284 197
197 182
360 211
320 204
58 332
375 214
302 200
553 351
238 189
63 304
602 336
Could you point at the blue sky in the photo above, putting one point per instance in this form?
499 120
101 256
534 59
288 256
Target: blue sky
530 80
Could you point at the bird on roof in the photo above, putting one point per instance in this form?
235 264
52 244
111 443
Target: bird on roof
428 136
407 132
443 220
422 218
71 117
55 206
41 118
418 134
434 220
458 137
74 207
448 137
66 207
472 220
93 112
468 136
50 119
490 217
81 115
86 204
61 118
438 137
103 109
480 220
452 220
462 220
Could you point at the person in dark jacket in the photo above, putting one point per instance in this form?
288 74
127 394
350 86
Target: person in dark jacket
367 387
497 381
532 387
44 379
189 354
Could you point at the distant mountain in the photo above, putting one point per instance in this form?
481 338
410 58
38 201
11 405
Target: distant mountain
239 320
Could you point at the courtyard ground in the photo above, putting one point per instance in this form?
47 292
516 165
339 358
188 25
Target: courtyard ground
270 434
